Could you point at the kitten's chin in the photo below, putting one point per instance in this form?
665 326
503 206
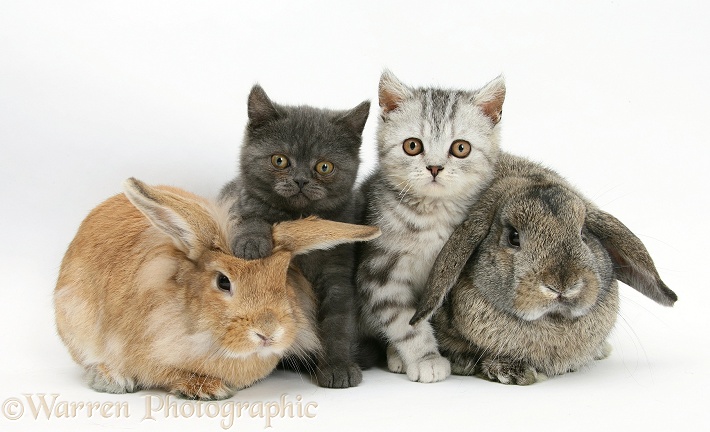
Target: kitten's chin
299 200
437 189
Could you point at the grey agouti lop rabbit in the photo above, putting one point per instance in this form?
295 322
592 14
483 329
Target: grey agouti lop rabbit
526 287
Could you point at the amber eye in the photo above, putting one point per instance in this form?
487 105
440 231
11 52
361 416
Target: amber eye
413 146
324 167
460 149
223 283
280 161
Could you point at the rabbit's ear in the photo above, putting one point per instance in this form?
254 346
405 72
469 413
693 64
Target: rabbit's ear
451 260
304 235
181 218
632 263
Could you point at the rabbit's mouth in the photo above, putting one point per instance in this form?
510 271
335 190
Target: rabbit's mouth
260 350
556 310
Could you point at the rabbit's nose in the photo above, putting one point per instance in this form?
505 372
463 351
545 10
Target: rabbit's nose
265 340
269 337
554 291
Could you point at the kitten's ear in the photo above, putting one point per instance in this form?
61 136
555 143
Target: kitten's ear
392 91
260 108
490 99
356 118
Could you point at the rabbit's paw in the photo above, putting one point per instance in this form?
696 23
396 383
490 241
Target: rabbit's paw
430 368
102 379
508 371
201 387
603 351
252 247
461 365
339 376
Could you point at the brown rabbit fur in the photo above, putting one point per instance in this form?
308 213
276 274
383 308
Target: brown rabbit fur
537 294
149 295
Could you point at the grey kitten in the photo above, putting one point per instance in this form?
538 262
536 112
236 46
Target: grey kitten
297 162
437 150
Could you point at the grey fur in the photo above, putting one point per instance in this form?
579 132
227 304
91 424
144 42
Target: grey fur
416 210
262 194
517 314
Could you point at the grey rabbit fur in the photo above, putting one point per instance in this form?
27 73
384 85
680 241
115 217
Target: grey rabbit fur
526 287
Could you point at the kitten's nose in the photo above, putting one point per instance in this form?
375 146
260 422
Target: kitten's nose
301 182
435 169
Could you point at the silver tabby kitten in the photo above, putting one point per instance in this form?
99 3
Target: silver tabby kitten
437 149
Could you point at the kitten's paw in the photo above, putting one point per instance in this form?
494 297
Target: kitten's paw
429 369
394 361
201 387
507 371
252 247
339 376
101 379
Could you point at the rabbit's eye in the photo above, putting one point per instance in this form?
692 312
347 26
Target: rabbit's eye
280 161
514 238
223 283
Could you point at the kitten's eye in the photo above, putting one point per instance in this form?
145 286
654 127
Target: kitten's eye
280 161
514 238
324 167
460 148
223 283
413 146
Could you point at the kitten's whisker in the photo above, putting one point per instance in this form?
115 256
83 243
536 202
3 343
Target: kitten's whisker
404 192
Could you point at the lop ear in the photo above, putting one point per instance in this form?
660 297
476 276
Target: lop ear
490 99
632 263
452 259
356 118
392 92
180 217
260 109
305 235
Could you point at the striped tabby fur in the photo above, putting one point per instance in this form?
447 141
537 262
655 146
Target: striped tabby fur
417 200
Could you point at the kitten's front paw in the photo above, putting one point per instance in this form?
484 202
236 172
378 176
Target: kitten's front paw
394 361
252 247
432 368
507 371
339 376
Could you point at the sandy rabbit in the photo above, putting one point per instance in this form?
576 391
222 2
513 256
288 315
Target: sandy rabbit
149 295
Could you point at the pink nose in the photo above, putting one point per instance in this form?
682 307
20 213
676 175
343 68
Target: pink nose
264 339
435 169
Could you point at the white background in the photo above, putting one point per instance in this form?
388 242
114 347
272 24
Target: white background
613 94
